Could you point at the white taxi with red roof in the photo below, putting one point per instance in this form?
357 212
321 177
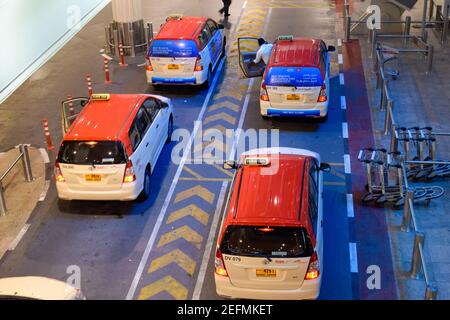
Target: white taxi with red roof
271 241
296 81
111 145
185 51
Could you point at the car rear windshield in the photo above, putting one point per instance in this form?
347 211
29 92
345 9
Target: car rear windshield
173 49
277 242
92 152
294 76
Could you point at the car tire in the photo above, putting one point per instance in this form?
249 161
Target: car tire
208 81
146 189
265 117
170 130
323 119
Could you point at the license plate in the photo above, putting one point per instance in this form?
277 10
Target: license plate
173 66
93 177
269 273
293 97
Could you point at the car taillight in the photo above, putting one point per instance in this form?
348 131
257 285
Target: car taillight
198 64
148 67
263 95
129 175
220 265
323 94
313 268
58 174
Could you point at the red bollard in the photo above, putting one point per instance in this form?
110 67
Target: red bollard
47 135
71 110
89 84
122 58
105 65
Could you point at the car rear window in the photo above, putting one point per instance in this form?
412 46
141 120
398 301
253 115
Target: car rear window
173 48
277 242
92 152
294 76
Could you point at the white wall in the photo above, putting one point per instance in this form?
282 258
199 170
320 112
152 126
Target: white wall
31 31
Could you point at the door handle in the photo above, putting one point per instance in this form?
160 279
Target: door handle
321 223
146 145
157 125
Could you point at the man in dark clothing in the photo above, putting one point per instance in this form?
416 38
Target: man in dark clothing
226 7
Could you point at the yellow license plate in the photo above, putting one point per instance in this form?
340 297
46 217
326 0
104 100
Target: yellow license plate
93 177
270 273
173 66
293 97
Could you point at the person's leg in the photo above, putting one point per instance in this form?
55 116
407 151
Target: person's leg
227 4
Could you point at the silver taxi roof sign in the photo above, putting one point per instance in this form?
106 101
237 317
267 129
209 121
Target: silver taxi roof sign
174 16
100 96
256 161
286 37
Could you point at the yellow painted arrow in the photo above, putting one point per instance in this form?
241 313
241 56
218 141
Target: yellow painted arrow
182 232
190 210
228 132
167 284
176 256
198 191
215 145
228 105
220 116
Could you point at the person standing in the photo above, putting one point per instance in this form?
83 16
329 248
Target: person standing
226 8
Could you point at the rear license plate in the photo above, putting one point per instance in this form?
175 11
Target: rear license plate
93 177
269 273
173 66
293 97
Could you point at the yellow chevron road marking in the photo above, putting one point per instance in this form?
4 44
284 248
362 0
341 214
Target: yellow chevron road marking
227 105
198 191
337 174
227 172
190 210
182 232
205 179
226 132
220 116
167 284
192 172
175 256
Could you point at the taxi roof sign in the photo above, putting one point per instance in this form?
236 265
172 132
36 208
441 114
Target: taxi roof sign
174 16
100 96
256 161
288 37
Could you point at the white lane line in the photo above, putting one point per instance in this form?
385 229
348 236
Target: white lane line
343 103
341 78
19 237
344 130
44 155
44 191
163 211
347 166
209 244
339 42
350 210
353 257
340 59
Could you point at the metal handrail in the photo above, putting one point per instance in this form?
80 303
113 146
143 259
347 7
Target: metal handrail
24 155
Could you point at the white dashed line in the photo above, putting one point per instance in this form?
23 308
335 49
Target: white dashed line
340 59
350 210
44 192
347 167
344 130
341 78
44 155
19 237
343 103
353 257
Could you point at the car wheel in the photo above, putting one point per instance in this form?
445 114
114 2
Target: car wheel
323 119
147 185
265 117
208 81
170 130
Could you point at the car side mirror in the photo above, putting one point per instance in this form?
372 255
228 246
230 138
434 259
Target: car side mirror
221 26
331 48
325 167
230 164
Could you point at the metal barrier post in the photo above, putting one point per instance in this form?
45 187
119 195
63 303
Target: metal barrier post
446 22
3 209
348 22
431 292
388 118
150 31
394 141
108 39
416 261
133 52
116 42
407 30
406 220
430 53
424 18
23 148
374 43
431 10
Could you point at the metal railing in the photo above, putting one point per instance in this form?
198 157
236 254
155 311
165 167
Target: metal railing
25 156
115 37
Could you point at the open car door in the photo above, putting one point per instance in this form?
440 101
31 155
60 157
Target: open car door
70 110
247 48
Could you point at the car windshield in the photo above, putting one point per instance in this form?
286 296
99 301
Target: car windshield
294 76
277 242
91 152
